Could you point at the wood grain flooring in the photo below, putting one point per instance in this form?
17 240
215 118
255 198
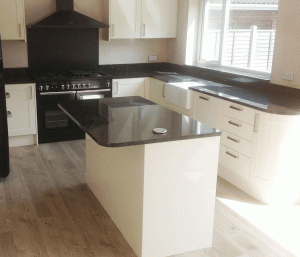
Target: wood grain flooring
47 210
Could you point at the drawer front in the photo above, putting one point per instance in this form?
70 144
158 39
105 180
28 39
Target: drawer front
239 112
234 161
237 144
237 127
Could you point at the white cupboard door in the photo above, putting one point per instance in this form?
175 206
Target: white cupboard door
20 105
128 87
12 23
125 19
159 18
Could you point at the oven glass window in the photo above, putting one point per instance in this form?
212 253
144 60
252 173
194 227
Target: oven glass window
56 119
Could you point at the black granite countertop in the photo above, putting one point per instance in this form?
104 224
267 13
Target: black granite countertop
125 121
17 76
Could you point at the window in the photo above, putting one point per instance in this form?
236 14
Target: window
238 34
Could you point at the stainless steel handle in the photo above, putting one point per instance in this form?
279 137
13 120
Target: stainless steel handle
30 93
163 91
234 140
7 95
204 98
112 116
116 88
9 115
232 155
112 30
236 108
234 124
93 91
20 31
255 127
141 112
58 93
144 30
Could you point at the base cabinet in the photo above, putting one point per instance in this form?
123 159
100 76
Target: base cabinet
128 87
12 20
21 112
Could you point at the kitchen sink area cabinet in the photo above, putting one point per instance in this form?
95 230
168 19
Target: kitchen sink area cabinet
206 108
157 95
21 114
128 87
140 18
12 20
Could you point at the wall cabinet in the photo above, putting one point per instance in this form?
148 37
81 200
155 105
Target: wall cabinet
128 87
141 18
156 94
12 20
21 111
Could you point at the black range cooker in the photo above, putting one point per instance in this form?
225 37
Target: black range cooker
55 87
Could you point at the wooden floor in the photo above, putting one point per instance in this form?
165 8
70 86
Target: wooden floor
46 209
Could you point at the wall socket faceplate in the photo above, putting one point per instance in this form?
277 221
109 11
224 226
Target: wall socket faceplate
152 58
287 75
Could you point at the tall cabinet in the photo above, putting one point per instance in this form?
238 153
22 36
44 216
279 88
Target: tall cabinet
12 20
140 18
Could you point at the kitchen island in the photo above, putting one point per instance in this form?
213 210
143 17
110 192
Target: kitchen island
159 189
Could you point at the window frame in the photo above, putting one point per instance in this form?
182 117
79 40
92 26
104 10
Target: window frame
217 65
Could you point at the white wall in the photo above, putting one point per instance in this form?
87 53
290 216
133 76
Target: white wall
287 43
114 52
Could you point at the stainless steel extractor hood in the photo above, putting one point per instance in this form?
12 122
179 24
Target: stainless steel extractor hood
66 17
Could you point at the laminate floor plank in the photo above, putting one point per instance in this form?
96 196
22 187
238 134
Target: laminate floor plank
47 210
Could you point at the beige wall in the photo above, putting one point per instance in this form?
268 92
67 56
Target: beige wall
287 43
114 52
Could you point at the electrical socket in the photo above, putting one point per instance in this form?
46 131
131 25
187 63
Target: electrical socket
287 75
152 58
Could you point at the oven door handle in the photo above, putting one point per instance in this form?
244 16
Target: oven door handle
93 91
58 93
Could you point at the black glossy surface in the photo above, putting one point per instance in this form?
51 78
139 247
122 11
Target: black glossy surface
17 76
126 121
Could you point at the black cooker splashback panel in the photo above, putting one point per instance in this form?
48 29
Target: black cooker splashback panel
63 49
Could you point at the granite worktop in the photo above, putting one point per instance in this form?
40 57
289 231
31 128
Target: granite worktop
17 76
126 121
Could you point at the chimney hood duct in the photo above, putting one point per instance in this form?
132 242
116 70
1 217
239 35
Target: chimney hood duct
66 17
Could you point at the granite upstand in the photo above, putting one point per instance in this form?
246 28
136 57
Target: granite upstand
159 189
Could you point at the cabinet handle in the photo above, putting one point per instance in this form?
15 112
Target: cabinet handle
30 93
7 95
141 113
163 91
20 31
232 155
116 88
9 115
234 124
236 108
234 140
112 116
144 30
204 98
255 127
112 30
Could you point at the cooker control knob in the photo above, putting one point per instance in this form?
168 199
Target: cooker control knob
73 86
68 86
89 85
108 84
47 87
83 85
41 88
78 86
62 87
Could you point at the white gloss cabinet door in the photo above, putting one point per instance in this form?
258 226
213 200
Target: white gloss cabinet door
21 111
128 87
12 20
159 18
125 19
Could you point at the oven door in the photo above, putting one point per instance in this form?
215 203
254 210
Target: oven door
53 124
93 94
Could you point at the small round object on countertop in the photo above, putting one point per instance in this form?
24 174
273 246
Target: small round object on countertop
159 131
